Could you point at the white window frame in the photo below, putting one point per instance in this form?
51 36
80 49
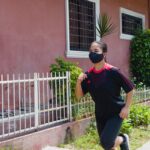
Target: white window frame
78 54
131 13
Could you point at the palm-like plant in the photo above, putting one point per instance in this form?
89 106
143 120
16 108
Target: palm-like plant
105 27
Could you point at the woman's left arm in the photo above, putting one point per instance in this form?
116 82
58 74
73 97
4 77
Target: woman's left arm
126 109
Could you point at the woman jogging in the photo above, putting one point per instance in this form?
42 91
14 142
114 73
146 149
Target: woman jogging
104 83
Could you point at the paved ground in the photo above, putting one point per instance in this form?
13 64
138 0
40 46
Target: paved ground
145 146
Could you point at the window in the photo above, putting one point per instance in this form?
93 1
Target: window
81 26
129 22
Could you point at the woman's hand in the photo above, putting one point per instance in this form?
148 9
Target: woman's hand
124 112
78 91
82 77
126 109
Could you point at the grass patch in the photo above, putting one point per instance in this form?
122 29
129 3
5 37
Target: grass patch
139 136
7 148
90 140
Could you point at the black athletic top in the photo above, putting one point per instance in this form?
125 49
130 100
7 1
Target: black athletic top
104 87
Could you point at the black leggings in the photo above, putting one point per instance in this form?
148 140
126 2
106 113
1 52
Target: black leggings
108 130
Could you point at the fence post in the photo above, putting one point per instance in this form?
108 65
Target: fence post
36 99
69 96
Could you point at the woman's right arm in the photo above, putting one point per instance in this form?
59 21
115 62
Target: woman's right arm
78 91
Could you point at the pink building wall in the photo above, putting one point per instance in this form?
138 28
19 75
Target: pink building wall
118 52
33 34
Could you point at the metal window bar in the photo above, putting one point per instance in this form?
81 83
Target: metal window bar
130 23
81 18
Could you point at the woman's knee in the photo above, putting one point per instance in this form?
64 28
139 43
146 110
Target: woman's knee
106 143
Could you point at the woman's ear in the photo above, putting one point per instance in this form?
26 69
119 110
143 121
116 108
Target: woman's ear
105 54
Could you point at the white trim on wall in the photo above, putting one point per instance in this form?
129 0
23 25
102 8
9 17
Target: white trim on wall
131 13
78 54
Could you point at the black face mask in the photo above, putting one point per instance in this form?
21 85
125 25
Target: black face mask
95 57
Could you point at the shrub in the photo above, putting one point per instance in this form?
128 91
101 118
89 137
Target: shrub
140 115
63 66
140 54
138 85
126 126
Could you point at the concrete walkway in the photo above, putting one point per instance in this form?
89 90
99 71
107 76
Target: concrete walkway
145 146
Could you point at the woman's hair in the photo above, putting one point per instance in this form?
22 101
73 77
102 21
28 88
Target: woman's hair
102 45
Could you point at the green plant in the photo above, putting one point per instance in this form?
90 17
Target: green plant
140 57
140 115
61 66
138 85
126 126
90 140
105 27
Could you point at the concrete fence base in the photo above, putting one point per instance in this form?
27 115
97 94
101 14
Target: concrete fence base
52 136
